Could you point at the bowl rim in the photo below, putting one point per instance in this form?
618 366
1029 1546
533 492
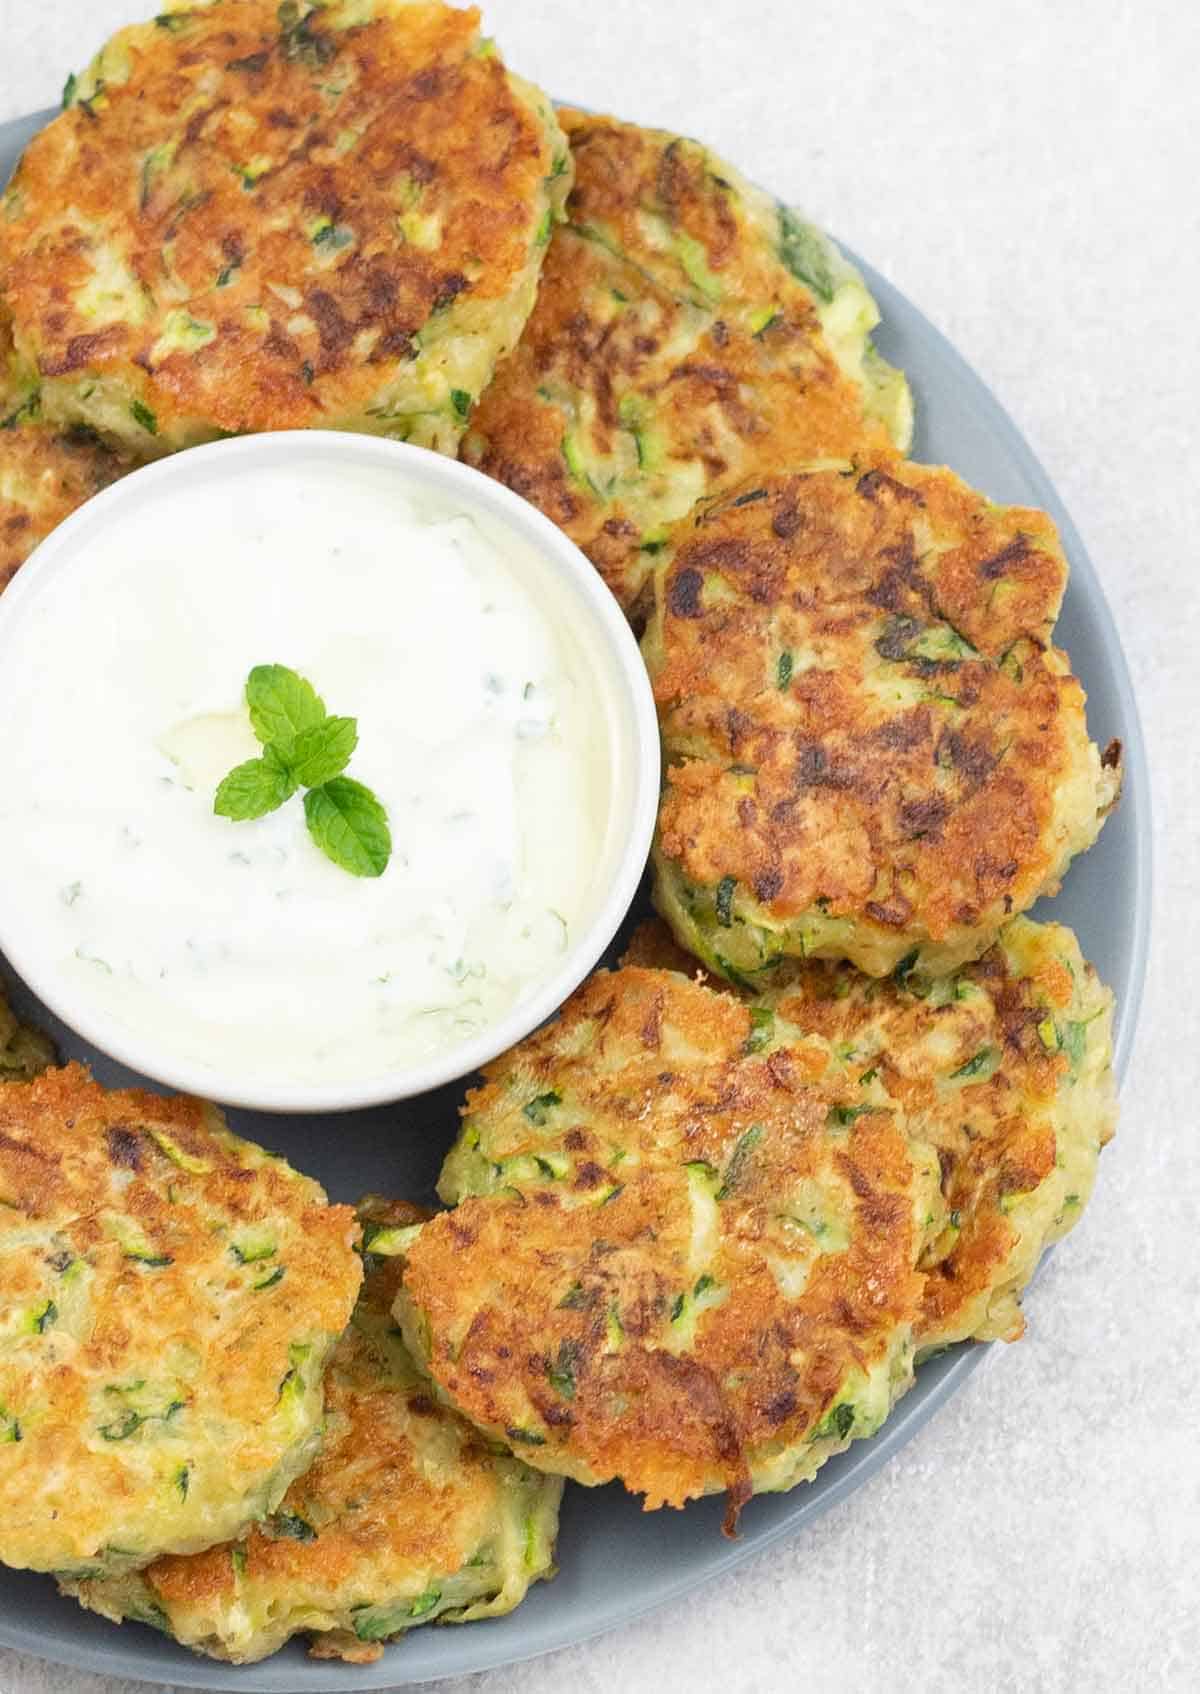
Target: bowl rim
621 675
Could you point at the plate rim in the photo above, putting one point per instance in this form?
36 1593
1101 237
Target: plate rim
939 1378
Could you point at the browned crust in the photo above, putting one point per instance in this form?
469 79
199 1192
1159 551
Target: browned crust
738 402
367 1495
430 112
994 1137
72 1154
655 1065
924 814
49 475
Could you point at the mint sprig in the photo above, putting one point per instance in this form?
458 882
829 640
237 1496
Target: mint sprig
281 705
347 822
255 788
303 747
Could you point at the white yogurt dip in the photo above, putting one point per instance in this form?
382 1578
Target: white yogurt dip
484 728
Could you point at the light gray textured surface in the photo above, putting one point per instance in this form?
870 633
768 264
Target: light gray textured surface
1025 174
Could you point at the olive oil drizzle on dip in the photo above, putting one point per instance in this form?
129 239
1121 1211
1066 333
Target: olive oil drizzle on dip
481 722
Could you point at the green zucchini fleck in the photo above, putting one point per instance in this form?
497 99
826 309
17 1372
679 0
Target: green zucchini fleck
43 1320
981 1064
538 1110
144 416
183 1477
839 1117
838 1424
425 1603
762 1030
123 1427
252 1247
902 972
614 1329
270 1281
292 1384
1074 1043
805 253
693 258
735 1170
334 236
152 1261
388 1241
462 401
783 671
518 1437
561 1372
724 900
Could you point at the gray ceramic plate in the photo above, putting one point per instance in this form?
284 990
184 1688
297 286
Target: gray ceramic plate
616 1561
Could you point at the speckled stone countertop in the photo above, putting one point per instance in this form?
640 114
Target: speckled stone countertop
1026 174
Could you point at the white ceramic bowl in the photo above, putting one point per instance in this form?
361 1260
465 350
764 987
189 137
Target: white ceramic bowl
618 675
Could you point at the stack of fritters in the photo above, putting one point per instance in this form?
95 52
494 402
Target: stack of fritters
702 1231
698 1242
405 1517
699 1237
172 1446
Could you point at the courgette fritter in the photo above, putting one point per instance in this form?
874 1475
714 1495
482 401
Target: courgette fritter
678 1255
24 1052
873 749
170 1296
405 1517
689 332
45 473
255 215
1005 1068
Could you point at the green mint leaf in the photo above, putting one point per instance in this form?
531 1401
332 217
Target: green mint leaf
323 751
350 826
281 705
254 789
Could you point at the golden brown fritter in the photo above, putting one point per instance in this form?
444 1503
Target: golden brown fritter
45 473
1005 1068
169 1297
675 1257
256 215
24 1051
688 332
404 1518
873 749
